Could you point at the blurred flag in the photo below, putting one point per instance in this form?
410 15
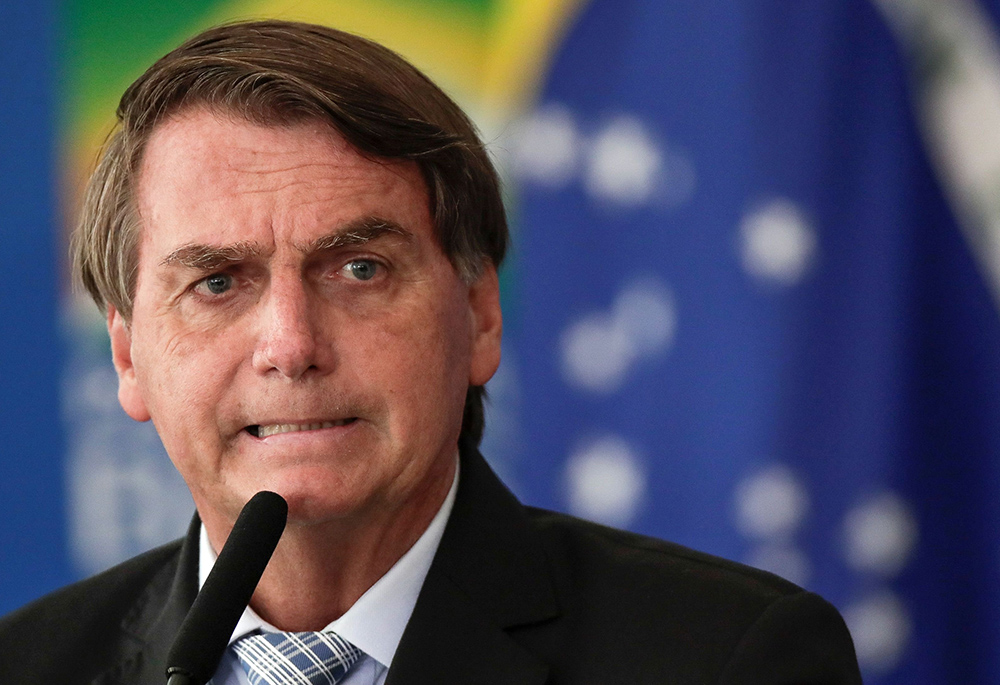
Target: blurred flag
749 321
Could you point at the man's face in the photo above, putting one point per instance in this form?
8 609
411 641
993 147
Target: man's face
296 326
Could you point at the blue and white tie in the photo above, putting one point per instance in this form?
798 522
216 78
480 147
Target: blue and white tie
295 658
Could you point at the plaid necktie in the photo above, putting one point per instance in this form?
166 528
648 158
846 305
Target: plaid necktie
295 658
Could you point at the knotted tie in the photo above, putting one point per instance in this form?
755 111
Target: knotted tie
295 658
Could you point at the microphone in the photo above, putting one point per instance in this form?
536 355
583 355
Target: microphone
205 632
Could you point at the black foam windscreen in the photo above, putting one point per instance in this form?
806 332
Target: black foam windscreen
205 632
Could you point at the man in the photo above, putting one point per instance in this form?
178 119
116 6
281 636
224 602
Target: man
295 237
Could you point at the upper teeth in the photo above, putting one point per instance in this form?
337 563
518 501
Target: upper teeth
275 428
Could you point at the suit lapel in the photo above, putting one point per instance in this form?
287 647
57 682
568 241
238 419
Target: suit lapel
156 617
450 640
490 575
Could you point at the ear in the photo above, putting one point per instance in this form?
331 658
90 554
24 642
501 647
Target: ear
129 395
487 326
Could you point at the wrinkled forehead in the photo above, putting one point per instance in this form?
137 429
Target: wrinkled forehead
208 168
216 139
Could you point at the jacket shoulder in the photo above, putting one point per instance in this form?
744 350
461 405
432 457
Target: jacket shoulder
597 549
712 619
70 634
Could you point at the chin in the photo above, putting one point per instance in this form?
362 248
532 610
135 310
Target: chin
317 497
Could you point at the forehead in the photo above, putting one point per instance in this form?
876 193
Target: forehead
212 177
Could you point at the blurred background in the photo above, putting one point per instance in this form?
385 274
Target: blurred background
751 305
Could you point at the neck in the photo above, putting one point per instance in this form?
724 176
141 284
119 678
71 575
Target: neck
319 571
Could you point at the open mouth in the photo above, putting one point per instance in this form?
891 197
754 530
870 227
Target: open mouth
263 431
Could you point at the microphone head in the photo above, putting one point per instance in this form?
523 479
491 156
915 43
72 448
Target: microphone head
209 624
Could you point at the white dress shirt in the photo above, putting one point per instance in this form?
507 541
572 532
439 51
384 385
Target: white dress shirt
374 624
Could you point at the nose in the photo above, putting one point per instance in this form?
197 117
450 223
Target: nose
288 343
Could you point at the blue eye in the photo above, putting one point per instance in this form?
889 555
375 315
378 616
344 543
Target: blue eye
218 283
362 269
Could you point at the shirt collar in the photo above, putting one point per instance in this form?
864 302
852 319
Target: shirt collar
375 623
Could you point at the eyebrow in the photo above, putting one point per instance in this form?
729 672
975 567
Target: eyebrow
357 232
211 257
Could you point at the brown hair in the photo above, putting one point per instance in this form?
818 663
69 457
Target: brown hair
280 73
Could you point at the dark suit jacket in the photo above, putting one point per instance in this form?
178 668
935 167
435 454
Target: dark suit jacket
514 596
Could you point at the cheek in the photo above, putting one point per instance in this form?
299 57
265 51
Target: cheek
181 371
425 358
